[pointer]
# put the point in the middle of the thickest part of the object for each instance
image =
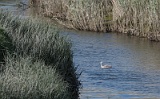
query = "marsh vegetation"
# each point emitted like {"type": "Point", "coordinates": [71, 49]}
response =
{"type": "Point", "coordinates": [134, 17]}
{"type": "Point", "coordinates": [40, 63]}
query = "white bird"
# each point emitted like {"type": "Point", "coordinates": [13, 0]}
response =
{"type": "Point", "coordinates": [105, 66]}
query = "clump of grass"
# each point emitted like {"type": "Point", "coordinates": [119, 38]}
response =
{"type": "Point", "coordinates": [42, 42]}
{"type": "Point", "coordinates": [5, 44]}
{"type": "Point", "coordinates": [140, 18]}
{"type": "Point", "coordinates": [88, 14]}
{"type": "Point", "coordinates": [79, 14]}
{"type": "Point", "coordinates": [25, 78]}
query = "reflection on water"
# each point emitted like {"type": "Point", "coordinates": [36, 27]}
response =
{"type": "Point", "coordinates": [18, 7]}
{"type": "Point", "coordinates": [135, 62]}
{"type": "Point", "coordinates": [7, 4]}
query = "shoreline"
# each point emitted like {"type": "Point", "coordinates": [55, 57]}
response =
{"type": "Point", "coordinates": [100, 16]}
{"type": "Point", "coordinates": [40, 65]}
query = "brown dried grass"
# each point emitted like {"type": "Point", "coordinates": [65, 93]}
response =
{"type": "Point", "coordinates": [79, 14]}
{"type": "Point", "coordinates": [135, 17]}
{"type": "Point", "coordinates": [140, 18]}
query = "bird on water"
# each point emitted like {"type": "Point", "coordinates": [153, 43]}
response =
{"type": "Point", "coordinates": [105, 66]}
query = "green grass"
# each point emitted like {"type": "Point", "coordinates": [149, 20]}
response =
{"type": "Point", "coordinates": [25, 78]}
{"type": "Point", "coordinates": [42, 42]}
{"type": "Point", "coordinates": [5, 44]}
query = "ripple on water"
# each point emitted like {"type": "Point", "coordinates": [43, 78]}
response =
{"type": "Point", "coordinates": [132, 75]}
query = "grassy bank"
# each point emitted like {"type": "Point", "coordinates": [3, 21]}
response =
{"type": "Point", "coordinates": [78, 14]}
{"type": "Point", "coordinates": [25, 78]}
{"type": "Point", "coordinates": [135, 17]}
{"type": "Point", "coordinates": [37, 47]}
{"type": "Point", "coordinates": [140, 18]}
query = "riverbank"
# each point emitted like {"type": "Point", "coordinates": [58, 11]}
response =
{"type": "Point", "coordinates": [40, 65]}
{"type": "Point", "coordinates": [138, 17]}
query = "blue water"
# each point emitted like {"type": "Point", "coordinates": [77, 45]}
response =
{"type": "Point", "coordinates": [135, 71]}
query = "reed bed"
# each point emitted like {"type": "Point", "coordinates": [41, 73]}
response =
{"type": "Point", "coordinates": [140, 18]}
{"type": "Point", "coordinates": [135, 17]}
{"type": "Point", "coordinates": [88, 14]}
{"type": "Point", "coordinates": [79, 14]}
{"type": "Point", "coordinates": [42, 42]}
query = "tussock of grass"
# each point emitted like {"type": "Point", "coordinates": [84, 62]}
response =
{"type": "Point", "coordinates": [24, 78]}
{"type": "Point", "coordinates": [36, 39]}
{"type": "Point", "coordinates": [42, 42]}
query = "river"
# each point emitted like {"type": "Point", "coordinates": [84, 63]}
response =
{"type": "Point", "coordinates": [135, 72]}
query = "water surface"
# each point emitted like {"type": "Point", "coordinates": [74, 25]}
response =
{"type": "Point", "coordinates": [135, 62]}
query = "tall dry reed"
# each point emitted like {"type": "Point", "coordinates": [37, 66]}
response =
{"type": "Point", "coordinates": [140, 18]}
{"type": "Point", "coordinates": [135, 17]}
{"type": "Point", "coordinates": [79, 14]}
